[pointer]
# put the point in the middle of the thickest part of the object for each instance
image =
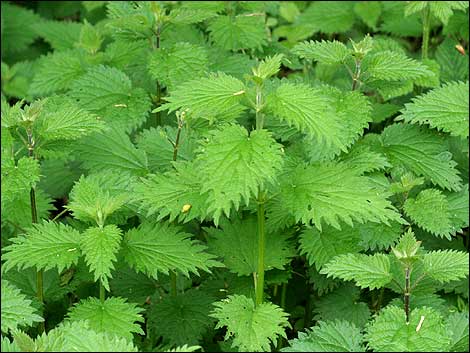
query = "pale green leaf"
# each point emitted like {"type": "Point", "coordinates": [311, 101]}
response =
{"type": "Point", "coordinates": [109, 93]}
{"type": "Point", "coordinates": [369, 12]}
{"type": "Point", "coordinates": [246, 31]}
{"type": "Point", "coordinates": [334, 336]}
{"type": "Point", "coordinates": [250, 160]}
{"type": "Point", "coordinates": [100, 246]}
{"type": "Point", "coordinates": [216, 95]}
{"type": "Point", "coordinates": [444, 108]}
{"type": "Point", "coordinates": [45, 246]}
{"type": "Point", "coordinates": [368, 271]}
{"type": "Point", "coordinates": [446, 265]}
{"type": "Point", "coordinates": [457, 323]}
{"type": "Point", "coordinates": [61, 35]}
{"type": "Point", "coordinates": [17, 28]}
{"type": "Point", "coordinates": [270, 66]}
{"type": "Point", "coordinates": [159, 248]}
{"type": "Point", "coordinates": [389, 332]}
{"type": "Point", "coordinates": [252, 328]}
{"type": "Point", "coordinates": [113, 316]}
{"type": "Point", "coordinates": [326, 52]}
{"type": "Point", "coordinates": [16, 309]}
{"type": "Point", "coordinates": [237, 243]}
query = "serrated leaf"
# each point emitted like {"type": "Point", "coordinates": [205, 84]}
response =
{"type": "Point", "coordinates": [77, 336]}
{"type": "Point", "coordinates": [363, 160]}
{"type": "Point", "coordinates": [183, 318]}
{"type": "Point", "coordinates": [394, 66]}
{"type": "Point", "coordinates": [112, 149]}
{"type": "Point", "coordinates": [180, 63]}
{"type": "Point", "coordinates": [368, 271]}
{"type": "Point", "coordinates": [444, 108]}
{"type": "Point", "coordinates": [166, 194]}
{"type": "Point", "coordinates": [454, 66]}
{"type": "Point", "coordinates": [330, 193]}
{"type": "Point", "coordinates": [446, 265]}
{"type": "Point", "coordinates": [251, 160]}
{"type": "Point", "coordinates": [334, 336]}
{"type": "Point", "coordinates": [431, 211]}
{"type": "Point", "coordinates": [217, 95]}
{"type": "Point", "coordinates": [100, 246]}
{"type": "Point", "coordinates": [45, 246]}
{"type": "Point", "coordinates": [188, 16]}
{"type": "Point", "coordinates": [457, 323]}
{"type": "Point", "coordinates": [9, 346]}
{"type": "Point", "coordinates": [342, 304]}
{"type": "Point", "coordinates": [20, 178]}
{"type": "Point", "coordinates": [237, 243]}
{"type": "Point", "coordinates": [113, 316]}
{"type": "Point", "coordinates": [154, 248]}
{"type": "Point", "coordinates": [16, 309]}
{"type": "Point", "coordinates": [246, 31]}
{"type": "Point", "coordinates": [61, 35]}
{"type": "Point", "coordinates": [390, 332]}
{"type": "Point", "coordinates": [327, 52]}
{"type": "Point", "coordinates": [268, 67]}
{"type": "Point", "coordinates": [17, 28]}
{"type": "Point", "coordinates": [369, 12]}
{"type": "Point", "coordinates": [459, 208]}
{"type": "Point", "coordinates": [109, 93]}
{"type": "Point", "coordinates": [321, 247]}
{"type": "Point", "coordinates": [421, 152]}
{"type": "Point", "coordinates": [252, 329]}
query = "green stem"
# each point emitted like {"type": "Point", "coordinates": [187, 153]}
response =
{"type": "Point", "coordinates": [259, 104]}
{"type": "Point", "coordinates": [407, 294]}
{"type": "Point", "coordinates": [102, 292]}
{"type": "Point", "coordinates": [426, 30]}
{"type": "Point", "coordinates": [259, 285]}
{"type": "Point", "coordinates": [357, 74]}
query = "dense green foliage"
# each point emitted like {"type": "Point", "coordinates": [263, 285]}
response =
{"type": "Point", "coordinates": [234, 176]}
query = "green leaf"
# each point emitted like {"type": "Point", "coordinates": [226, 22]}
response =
{"type": "Point", "coordinates": [251, 161]}
{"type": "Point", "coordinates": [457, 323]}
{"type": "Point", "coordinates": [431, 211]}
{"type": "Point", "coordinates": [91, 201]}
{"type": "Point", "coordinates": [62, 119]}
{"type": "Point", "coordinates": [459, 208]}
{"type": "Point", "coordinates": [90, 38]}
{"type": "Point", "coordinates": [334, 336]}
{"type": "Point", "coordinates": [246, 31]}
{"type": "Point", "coordinates": [444, 108]}
{"type": "Point", "coordinates": [109, 93]}
{"type": "Point", "coordinates": [308, 109]}
{"type": "Point", "coordinates": [188, 16]}
{"type": "Point", "coordinates": [16, 309]}
{"type": "Point", "coordinates": [421, 152]}
{"type": "Point", "coordinates": [327, 52]}
{"type": "Point", "coordinates": [368, 271]}
{"type": "Point", "coordinates": [252, 329]}
{"type": "Point", "coordinates": [45, 246]}
{"type": "Point", "coordinates": [331, 193]}
{"type": "Point", "coordinates": [390, 333]}
{"type": "Point", "coordinates": [342, 304]}
{"type": "Point", "coordinates": [8, 346]}
{"type": "Point", "coordinates": [270, 66]}
{"type": "Point", "coordinates": [183, 319]}
{"type": "Point", "coordinates": [369, 12]}
{"type": "Point", "coordinates": [100, 246]}
{"type": "Point", "coordinates": [112, 150]}
{"type": "Point", "coordinates": [180, 63]}
{"type": "Point", "coordinates": [158, 146]}
{"type": "Point", "coordinates": [237, 243]}
{"type": "Point", "coordinates": [446, 265]}
{"type": "Point", "coordinates": [217, 95]}
{"type": "Point", "coordinates": [61, 35]}
{"type": "Point", "coordinates": [18, 179]}
{"type": "Point", "coordinates": [113, 316]}
{"type": "Point", "coordinates": [154, 248]}
{"type": "Point", "coordinates": [443, 10]}
{"type": "Point", "coordinates": [321, 247]}
{"type": "Point", "coordinates": [57, 71]}
{"type": "Point", "coordinates": [394, 66]}
{"type": "Point", "coordinates": [454, 66]}
{"type": "Point", "coordinates": [17, 28]}
{"type": "Point", "coordinates": [167, 194]}
{"type": "Point", "coordinates": [77, 336]}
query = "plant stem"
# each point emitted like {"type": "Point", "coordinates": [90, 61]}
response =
{"type": "Point", "coordinates": [407, 294]}
{"type": "Point", "coordinates": [259, 285]}
{"type": "Point", "coordinates": [102, 292]}
{"type": "Point", "coordinates": [259, 103]}
{"type": "Point", "coordinates": [426, 30]}
{"type": "Point", "coordinates": [34, 219]}
{"type": "Point", "coordinates": [357, 74]}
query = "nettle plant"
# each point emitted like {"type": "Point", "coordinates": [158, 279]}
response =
{"type": "Point", "coordinates": [252, 176]}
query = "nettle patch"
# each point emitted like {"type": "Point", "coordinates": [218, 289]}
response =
{"type": "Point", "coordinates": [223, 176]}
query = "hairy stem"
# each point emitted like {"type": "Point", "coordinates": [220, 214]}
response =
{"type": "Point", "coordinates": [259, 285]}
{"type": "Point", "coordinates": [34, 219]}
{"type": "Point", "coordinates": [426, 30]}
{"type": "Point", "coordinates": [356, 75]}
{"type": "Point", "coordinates": [407, 294]}
{"type": "Point", "coordinates": [102, 292]}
